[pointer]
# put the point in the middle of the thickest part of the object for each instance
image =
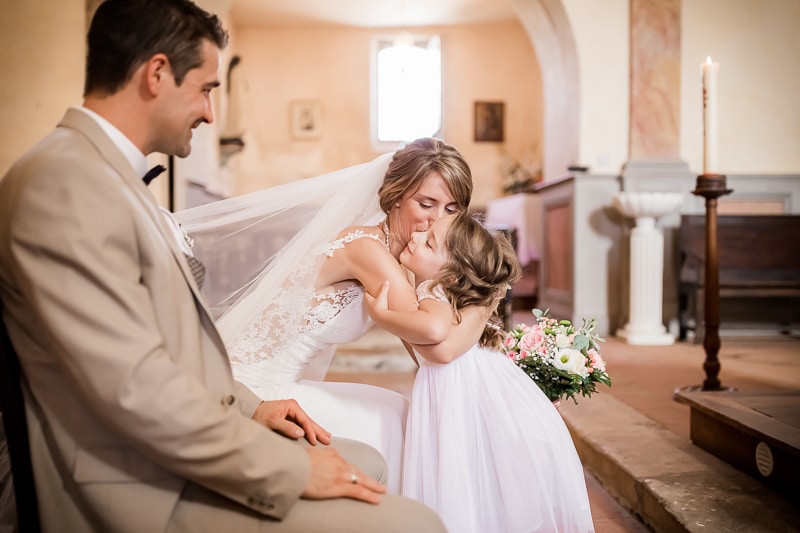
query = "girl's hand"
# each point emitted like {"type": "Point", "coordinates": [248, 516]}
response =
{"type": "Point", "coordinates": [376, 304]}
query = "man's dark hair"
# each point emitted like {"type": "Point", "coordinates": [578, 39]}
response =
{"type": "Point", "coordinates": [126, 33]}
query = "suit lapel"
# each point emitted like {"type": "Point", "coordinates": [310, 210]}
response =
{"type": "Point", "coordinates": [141, 198]}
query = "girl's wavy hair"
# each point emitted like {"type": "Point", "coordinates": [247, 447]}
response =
{"type": "Point", "coordinates": [480, 267]}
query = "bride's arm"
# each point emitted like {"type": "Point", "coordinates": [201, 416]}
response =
{"type": "Point", "coordinates": [367, 261]}
{"type": "Point", "coordinates": [370, 263]}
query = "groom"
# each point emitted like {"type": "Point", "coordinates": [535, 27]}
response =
{"type": "Point", "coordinates": [135, 421]}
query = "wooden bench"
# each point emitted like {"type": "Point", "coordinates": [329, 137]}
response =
{"type": "Point", "coordinates": [758, 256]}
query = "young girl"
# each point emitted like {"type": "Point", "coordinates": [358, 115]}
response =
{"type": "Point", "coordinates": [484, 447]}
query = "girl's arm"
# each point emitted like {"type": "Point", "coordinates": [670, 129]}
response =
{"type": "Point", "coordinates": [462, 337]}
{"type": "Point", "coordinates": [433, 316]}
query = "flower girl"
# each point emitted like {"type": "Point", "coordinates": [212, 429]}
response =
{"type": "Point", "coordinates": [484, 446]}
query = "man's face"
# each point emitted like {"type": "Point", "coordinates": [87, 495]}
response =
{"type": "Point", "coordinates": [185, 107]}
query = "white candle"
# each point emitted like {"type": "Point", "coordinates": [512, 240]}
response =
{"type": "Point", "coordinates": [710, 155]}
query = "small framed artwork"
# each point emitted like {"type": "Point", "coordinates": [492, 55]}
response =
{"type": "Point", "coordinates": [489, 118]}
{"type": "Point", "coordinates": [305, 119]}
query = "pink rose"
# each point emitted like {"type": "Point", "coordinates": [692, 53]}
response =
{"type": "Point", "coordinates": [532, 340]}
{"type": "Point", "coordinates": [543, 351]}
{"type": "Point", "coordinates": [508, 342]}
{"type": "Point", "coordinates": [595, 361]}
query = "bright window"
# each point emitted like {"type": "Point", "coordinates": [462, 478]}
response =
{"type": "Point", "coordinates": [407, 93]}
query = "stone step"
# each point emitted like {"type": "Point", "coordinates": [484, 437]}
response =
{"type": "Point", "coordinates": [669, 483]}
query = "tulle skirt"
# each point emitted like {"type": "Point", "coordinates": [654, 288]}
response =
{"type": "Point", "coordinates": [489, 452]}
{"type": "Point", "coordinates": [369, 414]}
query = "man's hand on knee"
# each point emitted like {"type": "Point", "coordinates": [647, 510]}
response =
{"type": "Point", "coordinates": [287, 418]}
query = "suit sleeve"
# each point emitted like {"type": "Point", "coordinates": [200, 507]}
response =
{"type": "Point", "coordinates": [82, 266]}
{"type": "Point", "coordinates": [248, 400]}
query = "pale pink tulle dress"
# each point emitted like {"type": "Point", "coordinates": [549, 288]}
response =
{"type": "Point", "coordinates": [489, 452]}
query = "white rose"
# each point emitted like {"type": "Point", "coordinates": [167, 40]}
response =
{"type": "Point", "coordinates": [572, 361]}
{"type": "Point", "coordinates": [562, 341]}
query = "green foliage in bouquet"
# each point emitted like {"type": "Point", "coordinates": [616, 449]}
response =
{"type": "Point", "coordinates": [562, 360]}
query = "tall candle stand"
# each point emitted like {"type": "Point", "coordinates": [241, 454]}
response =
{"type": "Point", "coordinates": [711, 187]}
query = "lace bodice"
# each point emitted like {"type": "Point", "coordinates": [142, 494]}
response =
{"type": "Point", "coordinates": [329, 319]}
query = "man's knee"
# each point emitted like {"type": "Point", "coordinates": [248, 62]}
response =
{"type": "Point", "coordinates": [406, 515]}
{"type": "Point", "coordinates": [363, 456]}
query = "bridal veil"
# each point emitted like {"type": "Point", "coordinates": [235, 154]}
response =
{"type": "Point", "coordinates": [258, 250]}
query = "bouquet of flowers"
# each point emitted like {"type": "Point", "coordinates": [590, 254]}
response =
{"type": "Point", "coordinates": [562, 360]}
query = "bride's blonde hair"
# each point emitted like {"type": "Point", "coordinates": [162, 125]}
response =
{"type": "Point", "coordinates": [479, 269]}
{"type": "Point", "coordinates": [414, 162]}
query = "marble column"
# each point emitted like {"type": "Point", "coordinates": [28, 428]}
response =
{"type": "Point", "coordinates": [655, 79]}
{"type": "Point", "coordinates": [645, 325]}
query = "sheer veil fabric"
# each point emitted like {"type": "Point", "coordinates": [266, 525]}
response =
{"type": "Point", "coordinates": [258, 251]}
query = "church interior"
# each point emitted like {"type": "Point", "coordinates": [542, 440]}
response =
{"type": "Point", "coordinates": [620, 128]}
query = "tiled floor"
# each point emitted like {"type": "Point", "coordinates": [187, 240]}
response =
{"type": "Point", "coordinates": [608, 515]}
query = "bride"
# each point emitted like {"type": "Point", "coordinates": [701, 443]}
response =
{"type": "Point", "coordinates": [288, 266]}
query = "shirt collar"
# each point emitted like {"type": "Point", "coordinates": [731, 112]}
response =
{"type": "Point", "coordinates": [134, 156]}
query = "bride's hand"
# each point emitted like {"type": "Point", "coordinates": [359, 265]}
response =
{"type": "Point", "coordinates": [287, 418]}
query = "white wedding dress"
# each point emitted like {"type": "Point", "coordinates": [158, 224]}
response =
{"type": "Point", "coordinates": [484, 446]}
{"type": "Point", "coordinates": [263, 252]}
{"type": "Point", "coordinates": [366, 413]}
{"type": "Point", "coordinates": [488, 451]}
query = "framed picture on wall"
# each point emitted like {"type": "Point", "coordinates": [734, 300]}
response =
{"type": "Point", "coordinates": [305, 119]}
{"type": "Point", "coordinates": [489, 121]}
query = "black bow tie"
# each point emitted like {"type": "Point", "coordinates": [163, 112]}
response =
{"type": "Point", "coordinates": [153, 173]}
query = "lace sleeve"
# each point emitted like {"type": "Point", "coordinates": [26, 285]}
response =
{"type": "Point", "coordinates": [338, 244]}
{"type": "Point", "coordinates": [427, 290]}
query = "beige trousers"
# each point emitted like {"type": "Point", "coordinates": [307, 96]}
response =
{"type": "Point", "coordinates": [201, 510]}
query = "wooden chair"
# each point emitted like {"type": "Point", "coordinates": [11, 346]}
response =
{"type": "Point", "coordinates": [12, 405]}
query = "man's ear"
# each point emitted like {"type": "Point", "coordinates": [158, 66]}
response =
{"type": "Point", "coordinates": [156, 72]}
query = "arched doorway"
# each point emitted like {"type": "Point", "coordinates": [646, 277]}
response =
{"type": "Point", "coordinates": [548, 27]}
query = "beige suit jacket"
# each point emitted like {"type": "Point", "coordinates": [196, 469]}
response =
{"type": "Point", "coordinates": [129, 390]}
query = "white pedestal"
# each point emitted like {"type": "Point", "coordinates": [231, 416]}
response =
{"type": "Point", "coordinates": [644, 325]}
